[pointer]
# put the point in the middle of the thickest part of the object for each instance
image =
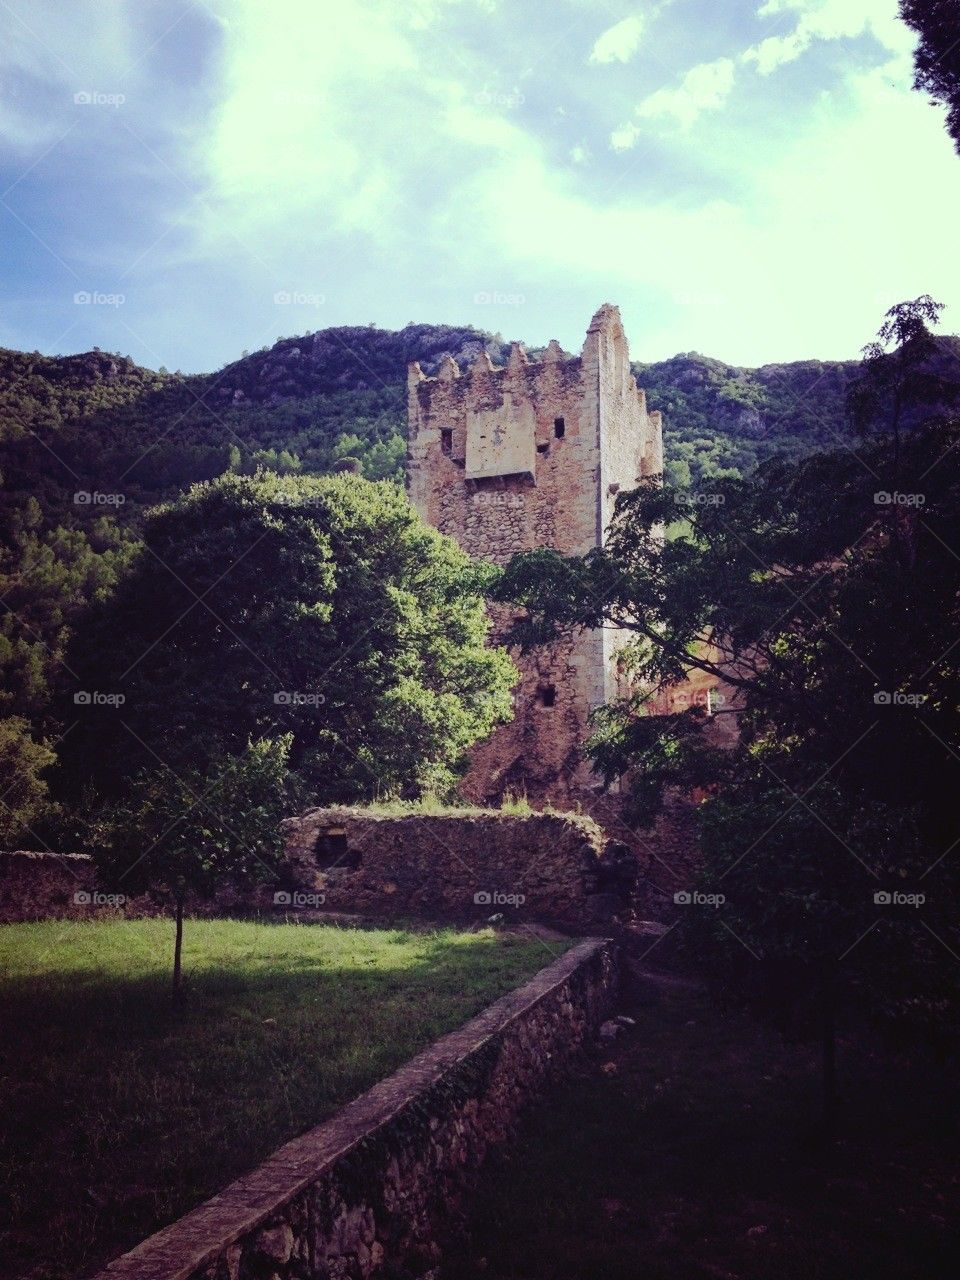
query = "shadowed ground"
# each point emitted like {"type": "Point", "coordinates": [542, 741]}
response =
{"type": "Point", "coordinates": [686, 1152]}
{"type": "Point", "coordinates": [120, 1113]}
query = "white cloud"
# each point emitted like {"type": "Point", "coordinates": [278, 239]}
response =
{"type": "Point", "coordinates": [620, 42]}
{"type": "Point", "coordinates": [704, 88]}
{"type": "Point", "coordinates": [826, 20]}
{"type": "Point", "coordinates": [805, 265]}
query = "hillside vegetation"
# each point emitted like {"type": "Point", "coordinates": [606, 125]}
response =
{"type": "Point", "coordinates": [89, 441]}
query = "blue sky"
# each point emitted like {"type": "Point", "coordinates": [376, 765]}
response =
{"type": "Point", "coordinates": [753, 179]}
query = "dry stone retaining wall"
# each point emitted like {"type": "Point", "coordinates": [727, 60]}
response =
{"type": "Point", "coordinates": [459, 866]}
{"type": "Point", "coordinates": [374, 1190]}
{"type": "Point", "coordinates": [543, 866]}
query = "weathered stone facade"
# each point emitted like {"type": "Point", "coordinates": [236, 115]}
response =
{"type": "Point", "coordinates": [543, 867]}
{"type": "Point", "coordinates": [550, 868]}
{"type": "Point", "coordinates": [533, 455]}
{"type": "Point", "coordinates": [375, 1190]}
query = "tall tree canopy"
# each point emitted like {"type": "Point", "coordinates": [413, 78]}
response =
{"type": "Point", "coordinates": [937, 56]}
{"type": "Point", "coordinates": [267, 605]}
{"type": "Point", "coordinates": [827, 594]}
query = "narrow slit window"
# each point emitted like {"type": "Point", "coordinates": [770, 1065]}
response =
{"type": "Point", "coordinates": [446, 441]}
{"type": "Point", "coordinates": [559, 428]}
{"type": "Point", "coordinates": [548, 695]}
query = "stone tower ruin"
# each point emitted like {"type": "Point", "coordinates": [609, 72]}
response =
{"type": "Point", "coordinates": [527, 456]}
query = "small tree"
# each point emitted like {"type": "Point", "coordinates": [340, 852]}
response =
{"type": "Point", "coordinates": [23, 792]}
{"type": "Point", "coordinates": [184, 835]}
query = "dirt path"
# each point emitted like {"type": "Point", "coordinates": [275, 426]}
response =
{"type": "Point", "coordinates": [686, 1150]}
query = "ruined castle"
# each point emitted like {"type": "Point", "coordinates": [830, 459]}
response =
{"type": "Point", "coordinates": [533, 455]}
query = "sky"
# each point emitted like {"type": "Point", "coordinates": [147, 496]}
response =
{"type": "Point", "coordinates": [183, 181]}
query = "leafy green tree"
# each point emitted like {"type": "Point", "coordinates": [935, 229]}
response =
{"type": "Point", "coordinates": [266, 605]}
{"type": "Point", "coordinates": [23, 790]}
{"type": "Point", "coordinates": [182, 835]}
{"type": "Point", "coordinates": [937, 56]}
{"type": "Point", "coordinates": [792, 588]}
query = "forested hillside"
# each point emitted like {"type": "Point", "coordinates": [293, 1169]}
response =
{"type": "Point", "coordinates": [88, 441]}
{"type": "Point", "coordinates": [97, 422]}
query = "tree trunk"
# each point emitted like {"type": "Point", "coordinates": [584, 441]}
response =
{"type": "Point", "coordinates": [177, 955]}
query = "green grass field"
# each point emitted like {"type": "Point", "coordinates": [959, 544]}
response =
{"type": "Point", "coordinates": [121, 1113]}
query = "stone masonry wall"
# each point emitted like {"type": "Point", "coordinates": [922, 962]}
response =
{"type": "Point", "coordinates": [533, 455]}
{"type": "Point", "coordinates": [376, 1189]}
{"type": "Point", "coordinates": [542, 867]}
{"type": "Point", "coordinates": [63, 886]}
{"type": "Point", "coordinates": [545, 867]}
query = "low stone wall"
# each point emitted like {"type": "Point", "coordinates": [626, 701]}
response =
{"type": "Point", "coordinates": [63, 886]}
{"type": "Point", "coordinates": [374, 1190]}
{"type": "Point", "coordinates": [43, 886]}
{"type": "Point", "coordinates": [540, 866]}
{"type": "Point", "coordinates": [556, 868]}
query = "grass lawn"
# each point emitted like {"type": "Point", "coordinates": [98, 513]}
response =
{"type": "Point", "coordinates": [686, 1151]}
{"type": "Point", "coordinates": [119, 1113]}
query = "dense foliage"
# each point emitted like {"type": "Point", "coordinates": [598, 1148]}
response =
{"type": "Point", "coordinates": [90, 443]}
{"type": "Point", "coordinates": [937, 55]}
{"type": "Point", "coordinates": [320, 608]}
{"type": "Point", "coordinates": [825, 595]}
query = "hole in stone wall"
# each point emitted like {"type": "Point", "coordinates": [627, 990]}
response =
{"type": "Point", "coordinates": [547, 694]}
{"type": "Point", "coordinates": [543, 448]}
{"type": "Point", "coordinates": [332, 850]}
{"type": "Point", "coordinates": [559, 428]}
{"type": "Point", "coordinates": [446, 440]}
